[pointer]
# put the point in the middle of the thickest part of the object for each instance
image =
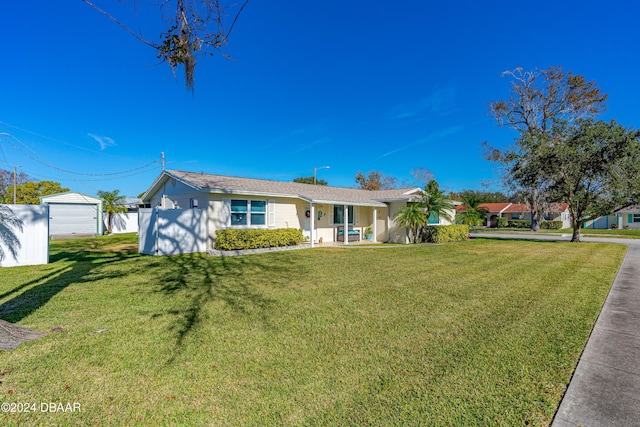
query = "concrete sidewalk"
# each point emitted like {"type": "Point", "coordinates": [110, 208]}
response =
{"type": "Point", "coordinates": [605, 388]}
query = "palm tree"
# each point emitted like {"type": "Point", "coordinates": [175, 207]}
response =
{"type": "Point", "coordinates": [473, 214]}
{"type": "Point", "coordinates": [112, 203]}
{"type": "Point", "coordinates": [412, 216]}
{"type": "Point", "coordinates": [432, 202]}
{"type": "Point", "coordinates": [436, 203]}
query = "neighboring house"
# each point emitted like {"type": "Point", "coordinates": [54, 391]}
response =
{"type": "Point", "coordinates": [73, 213]}
{"type": "Point", "coordinates": [558, 212]}
{"type": "Point", "coordinates": [628, 218]}
{"type": "Point", "coordinates": [322, 212]}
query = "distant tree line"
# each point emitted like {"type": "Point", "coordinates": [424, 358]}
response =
{"type": "Point", "coordinates": [28, 191]}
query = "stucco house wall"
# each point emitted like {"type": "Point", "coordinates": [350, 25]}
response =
{"type": "Point", "coordinates": [288, 205]}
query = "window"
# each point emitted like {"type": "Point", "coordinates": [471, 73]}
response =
{"type": "Point", "coordinates": [338, 214]}
{"type": "Point", "coordinates": [193, 203]}
{"type": "Point", "coordinates": [248, 212]}
{"type": "Point", "coordinates": [434, 218]}
{"type": "Point", "coordinates": [636, 217]}
{"type": "Point", "coordinates": [515, 216]}
{"type": "Point", "coordinates": [258, 212]}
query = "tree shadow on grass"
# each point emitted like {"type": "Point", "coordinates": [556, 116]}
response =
{"type": "Point", "coordinates": [203, 280]}
{"type": "Point", "coordinates": [83, 267]}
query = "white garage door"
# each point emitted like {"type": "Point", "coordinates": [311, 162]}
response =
{"type": "Point", "coordinates": [68, 218]}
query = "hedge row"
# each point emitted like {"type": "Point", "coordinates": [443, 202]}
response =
{"type": "Point", "coordinates": [551, 225]}
{"type": "Point", "coordinates": [446, 233]}
{"type": "Point", "coordinates": [231, 239]}
{"type": "Point", "coordinates": [525, 223]}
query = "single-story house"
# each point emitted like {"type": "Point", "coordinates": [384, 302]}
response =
{"type": "Point", "coordinates": [322, 212]}
{"type": "Point", "coordinates": [557, 212]}
{"type": "Point", "coordinates": [628, 218]}
{"type": "Point", "coordinates": [73, 213]}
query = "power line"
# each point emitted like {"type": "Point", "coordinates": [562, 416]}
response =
{"type": "Point", "coordinates": [52, 166]}
{"type": "Point", "coordinates": [58, 141]}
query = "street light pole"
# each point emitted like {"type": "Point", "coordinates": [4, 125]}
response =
{"type": "Point", "coordinates": [15, 182]}
{"type": "Point", "coordinates": [315, 170]}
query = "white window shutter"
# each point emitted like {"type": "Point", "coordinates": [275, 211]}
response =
{"type": "Point", "coordinates": [330, 213]}
{"type": "Point", "coordinates": [271, 213]}
{"type": "Point", "coordinates": [356, 215]}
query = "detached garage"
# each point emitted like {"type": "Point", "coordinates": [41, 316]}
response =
{"type": "Point", "coordinates": [73, 213]}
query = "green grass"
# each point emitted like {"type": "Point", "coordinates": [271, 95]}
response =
{"type": "Point", "coordinates": [475, 333]}
{"type": "Point", "coordinates": [629, 234]}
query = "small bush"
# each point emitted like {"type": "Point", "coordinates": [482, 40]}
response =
{"type": "Point", "coordinates": [446, 233]}
{"type": "Point", "coordinates": [231, 239]}
{"type": "Point", "coordinates": [614, 226]}
{"type": "Point", "coordinates": [551, 225]}
{"type": "Point", "coordinates": [519, 223]}
{"type": "Point", "coordinates": [502, 222]}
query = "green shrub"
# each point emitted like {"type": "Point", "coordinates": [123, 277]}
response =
{"type": "Point", "coordinates": [551, 225]}
{"type": "Point", "coordinates": [519, 223]}
{"type": "Point", "coordinates": [502, 222]}
{"type": "Point", "coordinates": [446, 233]}
{"type": "Point", "coordinates": [231, 239]}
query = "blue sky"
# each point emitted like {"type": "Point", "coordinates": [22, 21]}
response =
{"type": "Point", "coordinates": [356, 85]}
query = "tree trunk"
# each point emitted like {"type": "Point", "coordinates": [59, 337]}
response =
{"type": "Point", "coordinates": [535, 210]}
{"type": "Point", "coordinates": [576, 224]}
{"type": "Point", "coordinates": [12, 335]}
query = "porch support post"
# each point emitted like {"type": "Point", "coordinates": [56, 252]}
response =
{"type": "Point", "coordinates": [375, 224]}
{"type": "Point", "coordinates": [346, 225]}
{"type": "Point", "coordinates": [312, 232]}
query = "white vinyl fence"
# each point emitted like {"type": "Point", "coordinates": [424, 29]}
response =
{"type": "Point", "coordinates": [126, 222]}
{"type": "Point", "coordinates": [171, 231]}
{"type": "Point", "coordinates": [24, 235]}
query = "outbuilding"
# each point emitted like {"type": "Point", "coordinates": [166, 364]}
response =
{"type": "Point", "coordinates": [73, 213]}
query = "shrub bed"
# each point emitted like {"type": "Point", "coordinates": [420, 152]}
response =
{"type": "Point", "coordinates": [446, 233]}
{"type": "Point", "coordinates": [551, 225]}
{"type": "Point", "coordinates": [231, 239]}
{"type": "Point", "coordinates": [502, 222]}
{"type": "Point", "coordinates": [519, 223]}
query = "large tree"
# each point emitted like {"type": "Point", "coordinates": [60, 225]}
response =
{"type": "Point", "coordinates": [29, 192]}
{"type": "Point", "coordinates": [540, 99]}
{"type": "Point", "coordinates": [113, 203]}
{"type": "Point", "coordinates": [375, 180]}
{"type": "Point", "coordinates": [192, 28]}
{"type": "Point", "coordinates": [310, 180]}
{"type": "Point", "coordinates": [7, 180]}
{"type": "Point", "coordinates": [481, 195]}
{"type": "Point", "coordinates": [595, 168]}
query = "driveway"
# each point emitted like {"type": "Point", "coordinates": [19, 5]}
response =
{"type": "Point", "coordinates": [605, 388]}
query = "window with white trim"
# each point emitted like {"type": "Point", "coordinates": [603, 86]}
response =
{"type": "Point", "coordinates": [248, 212]}
{"type": "Point", "coordinates": [636, 217]}
{"type": "Point", "coordinates": [338, 214]}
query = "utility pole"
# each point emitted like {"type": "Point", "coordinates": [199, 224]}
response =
{"type": "Point", "coordinates": [162, 157]}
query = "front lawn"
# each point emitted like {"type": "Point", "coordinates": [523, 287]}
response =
{"type": "Point", "coordinates": [474, 333]}
{"type": "Point", "coordinates": [596, 232]}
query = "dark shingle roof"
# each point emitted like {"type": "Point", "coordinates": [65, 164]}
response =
{"type": "Point", "coordinates": [313, 193]}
